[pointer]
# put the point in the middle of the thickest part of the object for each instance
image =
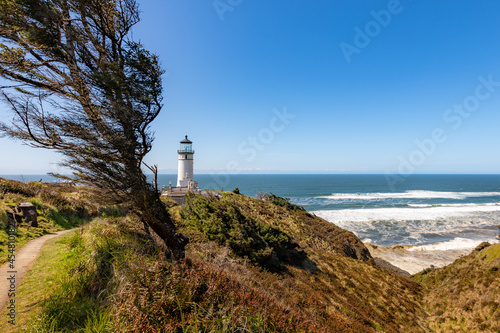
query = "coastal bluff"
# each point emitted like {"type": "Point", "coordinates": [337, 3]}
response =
{"type": "Point", "coordinates": [253, 264]}
{"type": "Point", "coordinates": [317, 271]}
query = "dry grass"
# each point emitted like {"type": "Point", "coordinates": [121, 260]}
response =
{"type": "Point", "coordinates": [465, 296]}
{"type": "Point", "coordinates": [115, 280]}
{"type": "Point", "coordinates": [62, 196]}
{"type": "Point", "coordinates": [219, 290]}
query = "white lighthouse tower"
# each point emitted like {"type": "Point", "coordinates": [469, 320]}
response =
{"type": "Point", "coordinates": [185, 181]}
{"type": "Point", "coordinates": [185, 166]}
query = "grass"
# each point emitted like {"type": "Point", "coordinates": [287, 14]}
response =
{"type": "Point", "coordinates": [465, 296]}
{"type": "Point", "coordinates": [67, 288]}
{"type": "Point", "coordinates": [39, 282]}
{"type": "Point", "coordinates": [110, 277]}
{"type": "Point", "coordinates": [333, 287]}
{"type": "Point", "coordinates": [50, 220]}
{"type": "Point", "coordinates": [59, 207]}
{"type": "Point", "coordinates": [491, 254]}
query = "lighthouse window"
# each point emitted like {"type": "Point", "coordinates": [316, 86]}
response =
{"type": "Point", "coordinates": [186, 148]}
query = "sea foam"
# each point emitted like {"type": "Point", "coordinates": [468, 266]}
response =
{"type": "Point", "coordinates": [420, 226]}
{"type": "Point", "coordinates": [409, 195]}
{"type": "Point", "coordinates": [457, 243]}
{"type": "Point", "coordinates": [424, 212]}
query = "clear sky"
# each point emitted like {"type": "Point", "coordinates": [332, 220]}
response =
{"type": "Point", "coordinates": [320, 87]}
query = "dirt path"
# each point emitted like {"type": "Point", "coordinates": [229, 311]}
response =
{"type": "Point", "coordinates": [25, 258]}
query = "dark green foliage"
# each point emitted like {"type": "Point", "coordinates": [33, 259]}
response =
{"type": "Point", "coordinates": [482, 246]}
{"type": "Point", "coordinates": [80, 85]}
{"type": "Point", "coordinates": [222, 221]}
{"type": "Point", "coordinates": [284, 202]}
{"type": "Point", "coordinates": [113, 211]}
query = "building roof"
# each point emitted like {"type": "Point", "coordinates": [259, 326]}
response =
{"type": "Point", "coordinates": [186, 140]}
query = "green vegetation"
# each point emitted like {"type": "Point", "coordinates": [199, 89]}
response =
{"type": "Point", "coordinates": [253, 266]}
{"type": "Point", "coordinates": [465, 296]}
{"type": "Point", "coordinates": [110, 278]}
{"type": "Point", "coordinates": [63, 298]}
{"type": "Point", "coordinates": [283, 202]}
{"type": "Point", "coordinates": [59, 207]}
{"type": "Point", "coordinates": [221, 220]}
{"type": "Point", "coordinates": [303, 228]}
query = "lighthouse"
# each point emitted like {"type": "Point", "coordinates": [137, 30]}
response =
{"type": "Point", "coordinates": [185, 165]}
{"type": "Point", "coordinates": [185, 181]}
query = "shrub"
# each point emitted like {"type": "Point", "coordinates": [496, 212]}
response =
{"type": "Point", "coordinates": [4, 219]}
{"type": "Point", "coordinates": [482, 246]}
{"type": "Point", "coordinates": [284, 202]}
{"type": "Point", "coordinates": [222, 221]}
{"type": "Point", "coordinates": [112, 211]}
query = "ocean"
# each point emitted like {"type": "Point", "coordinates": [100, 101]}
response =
{"type": "Point", "coordinates": [429, 212]}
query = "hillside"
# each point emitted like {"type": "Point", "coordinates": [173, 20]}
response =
{"type": "Point", "coordinates": [464, 296]}
{"type": "Point", "coordinates": [327, 275]}
{"type": "Point", "coordinates": [58, 206]}
{"type": "Point", "coordinates": [253, 265]}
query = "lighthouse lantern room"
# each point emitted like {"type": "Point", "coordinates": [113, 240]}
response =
{"type": "Point", "coordinates": [185, 166]}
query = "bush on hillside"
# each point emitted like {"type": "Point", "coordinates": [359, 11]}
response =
{"type": "Point", "coordinates": [283, 202]}
{"type": "Point", "coordinates": [222, 221]}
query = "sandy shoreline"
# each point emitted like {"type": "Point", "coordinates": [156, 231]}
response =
{"type": "Point", "coordinates": [415, 261]}
{"type": "Point", "coordinates": [456, 236]}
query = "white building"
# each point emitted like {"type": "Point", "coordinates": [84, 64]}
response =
{"type": "Point", "coordinates": [185, 165]}
{"type": "Point", "coordinates": [185, 180]}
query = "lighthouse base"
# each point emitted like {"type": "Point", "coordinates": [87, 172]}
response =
{"type": "Point", "coordinates": [178, 194]}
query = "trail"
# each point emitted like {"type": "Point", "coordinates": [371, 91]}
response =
{"type": "Point", "coordinates": [24, 260]}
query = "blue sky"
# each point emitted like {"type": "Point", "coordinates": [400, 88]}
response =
{"type": "Point", "coordinates": [320, 87]}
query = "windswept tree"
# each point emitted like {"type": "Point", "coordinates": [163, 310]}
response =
{"type": "Point", "coordinates": [78, 84]}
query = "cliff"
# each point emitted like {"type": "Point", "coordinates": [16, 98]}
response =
{"type": "Point", "coordinates": [303, 273]}
{"type": "Point", "coordinates": [253, 265]}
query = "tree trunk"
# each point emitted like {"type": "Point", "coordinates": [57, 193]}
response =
{"type": "Point", "coordinates": [153, 213]}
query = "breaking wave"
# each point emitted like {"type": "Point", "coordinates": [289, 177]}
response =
{"type": "Point", "coordinates": [409, 195]}
{"type": "Point", "coordinates": [457, 243]}
{"type": "Point", "coordinates": [420, 212]}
